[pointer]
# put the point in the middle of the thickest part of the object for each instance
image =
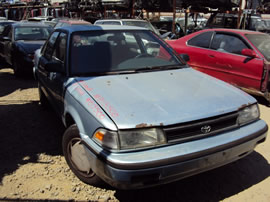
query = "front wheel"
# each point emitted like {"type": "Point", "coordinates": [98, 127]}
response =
{"type": "Point", "coordinates": [76, 157]}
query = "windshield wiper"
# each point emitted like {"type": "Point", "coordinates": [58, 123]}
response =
{"type": "Point", "coordinates": [166, 67]}
{"type": "Point", "coordinates": [130, 71]}
{"type": "Point", "coordinates": [106, 73]}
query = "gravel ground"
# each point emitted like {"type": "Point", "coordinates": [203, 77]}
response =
{"type": "Point", "coordinates": [32, 166]}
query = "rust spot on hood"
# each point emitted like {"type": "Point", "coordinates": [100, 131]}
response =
{"type": "Point", "coordinates": [244, 105]}
{"type": "Point", "coordinates": [142, 125]}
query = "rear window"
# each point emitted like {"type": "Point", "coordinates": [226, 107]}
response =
{"type": "Point", "coordinates": [32, 33]}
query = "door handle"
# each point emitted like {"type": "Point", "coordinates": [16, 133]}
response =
{"type": "Point", "coordinates": [211, 56]}
{"type": "Point", "coordinates": [52, 76]}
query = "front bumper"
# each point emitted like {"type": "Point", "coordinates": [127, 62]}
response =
{"type": "Point", "coordinates": [162, 165]}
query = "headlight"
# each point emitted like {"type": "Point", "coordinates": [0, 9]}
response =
{"type": "Point", "coordinates": [129, 139]}
{"type": "Point", "coordinates": [248, 114]}
{"type": "Point", "coordinates": [133, 139]}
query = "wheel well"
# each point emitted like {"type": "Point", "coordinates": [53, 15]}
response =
{"type": "Point", "coordinates": [69, 120]}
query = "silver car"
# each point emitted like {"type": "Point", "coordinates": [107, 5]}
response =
{"type": "Point", "coordinates": [136, 114]}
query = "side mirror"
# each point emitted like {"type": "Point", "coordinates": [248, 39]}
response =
{"type": "Point", "coordinates": [185, 57]}
{"type": "Point", "coordinates": [54, 67]}
{"type": "Point", "coordinates": [249, 53]}
{"type": "Point", "coordinates": [5, 38]}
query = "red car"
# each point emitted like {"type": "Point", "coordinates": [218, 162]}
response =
{"type": "Point", "coordinates": [239, 57]}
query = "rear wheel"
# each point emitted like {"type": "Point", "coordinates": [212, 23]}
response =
{"type": "Point", "coordinates": [74, 152]}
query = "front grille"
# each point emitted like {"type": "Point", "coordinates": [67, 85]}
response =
{"type": "Point", "coordinates": [193, 130]}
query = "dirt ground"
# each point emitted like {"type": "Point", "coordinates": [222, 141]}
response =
{"type": "Point", "coordinates": [32, 166]}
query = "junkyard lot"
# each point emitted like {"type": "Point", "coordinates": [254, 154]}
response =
{"type": "Point", "coordinates": [32, 165]}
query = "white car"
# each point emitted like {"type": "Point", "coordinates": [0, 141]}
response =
{"type": "Point", "coordinates": [129, 22]}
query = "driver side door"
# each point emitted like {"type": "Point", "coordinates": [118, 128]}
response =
{"type": "Point", "coordinates": [53, 82]}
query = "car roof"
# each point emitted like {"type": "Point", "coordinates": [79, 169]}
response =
{"type": "Point", "coordinates": [139, 20]}
{"type": "Point", "coordinates": [99, 27]}
{"type": "Point", "coordinates": [74, 22]}
{"type": "Point", "coordinates": [237, 31]}
{"type": "Point", "coordinates": [7, 21]}
{"type": "Point", "coordinates": [29, 24]}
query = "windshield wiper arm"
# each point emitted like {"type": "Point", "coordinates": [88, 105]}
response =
{"type": "Point", "coordinates": [166, 67]}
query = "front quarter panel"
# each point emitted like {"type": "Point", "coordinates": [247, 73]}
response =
{"type": "Point", "coordinates": [87, 114]}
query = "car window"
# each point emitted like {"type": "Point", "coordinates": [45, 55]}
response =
{"type": "Point", "coordinates": [144, 24]}
{"type": "Point", "coordinates": [10, 33]}
{"type": "Point", "coordinates": [202, 40]}
{"type": "Point", "coordinates": [48, 50]}
{"type": "Point", "coordinates": [228, 43]}
{"type": "Point", "coordinates": [262, 42]}
{"type": "Point", "coordinates": [2, 28]}
{"type": "Point", "coordinates": [115, 51]}
{"type": "Point", "coordinates": [111, 23]}
{"type": "Point", "coordinates": [6, 30]}
{"type": "Point", "coordinates": [32, 33]}
{"type": "Point", "coordinates": [60, 47]}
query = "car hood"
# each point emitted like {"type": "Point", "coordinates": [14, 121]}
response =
{"type": "Point", "coordinates": [163, 97]}
{"type": "Point", "coordinates": [30, 46]}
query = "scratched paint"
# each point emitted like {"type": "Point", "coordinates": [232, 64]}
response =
{"type": "Point", "coordinates": [80, 91]}
{"type": "Point", "coordinates": [106, 105]}
{"type": "Point", "coordinates": [95, 108]}
{"type": "Point", "coordinates": [86, 86]}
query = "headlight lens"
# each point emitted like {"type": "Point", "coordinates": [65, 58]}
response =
{"type": "Point", "coordinates": [133, 139]}
{"type": "Point", "coordinates": [248, 114]}
{"type": "Point", "coordinates": [129, 139]}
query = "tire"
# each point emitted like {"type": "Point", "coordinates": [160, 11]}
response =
{"type": "Point", "coordinates": [17, 69]}
{"type": "Point", "coordinates": [72, 137]}
{"type": "Point", "coordinates": [42, 98]}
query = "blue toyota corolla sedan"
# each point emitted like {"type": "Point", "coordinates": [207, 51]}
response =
{"type": "Point", "coordinates": [136, 114]}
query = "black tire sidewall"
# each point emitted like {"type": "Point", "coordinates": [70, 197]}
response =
{"type": "Point", "coordinates": [71, 133]}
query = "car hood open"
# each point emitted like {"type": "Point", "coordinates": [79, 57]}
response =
{"type": "Point", "coordinates": [163, 97]}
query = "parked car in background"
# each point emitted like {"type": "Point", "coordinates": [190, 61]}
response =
{"type": "Point", "coordinates": [263, 26]}
{"type": "Point", "coordinates": [48, 20]}
{"type": "Point", "coordinates": [20, 40]}
{"type": "Point", "coordinates": [239, 57]}
{"type": "Point", "coordinates": [227, 20]}
{"type": "Point", "coordinates": [129, 22]}
{"type": "Point", "coordinates": [136, 114]}
{"type": "Point", "coordinates": [3, 24]}
{"type": "Point", "coordinates": [70, 22]}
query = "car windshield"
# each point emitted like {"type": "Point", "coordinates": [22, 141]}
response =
{"type": "Point", "coordinates": [32, 33]}
{"type": "Point", "coordinates": [144, 24]}
{"type": "Point", "coordinates": [262, 42]}
{"type": "Point", "coordinates": [99, 52]}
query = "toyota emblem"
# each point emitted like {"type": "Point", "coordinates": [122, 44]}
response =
{"type": "Point", "coordinates": [206, 129]}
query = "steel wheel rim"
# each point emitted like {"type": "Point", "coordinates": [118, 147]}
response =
{"type": "Point", "coordinates": [69, 147]}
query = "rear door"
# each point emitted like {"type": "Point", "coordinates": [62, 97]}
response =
{"type": "Point", "coordinates": [233, 67]}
